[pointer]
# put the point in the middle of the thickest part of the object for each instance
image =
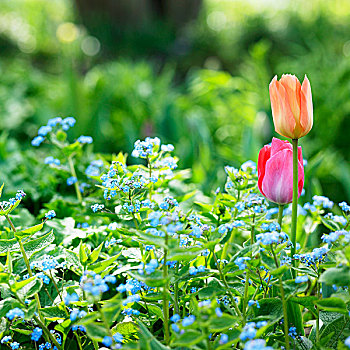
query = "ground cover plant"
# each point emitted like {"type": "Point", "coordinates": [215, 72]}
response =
{"type": "Point", "coordinates": [136, 257]}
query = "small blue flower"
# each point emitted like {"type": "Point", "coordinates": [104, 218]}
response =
{"type": "Point", "coordinates": [37, 141]}
{"type": "Point", "coordinates": [5, 339]}
{"type": "Point", "coordinates": [107, 341]}
{"type": "Point", "coordinates": [223, 339]}
{"type": "Point", "coordinates": [69, 298]}
{"type": "Point", "coordinates": [218, 312]}
{"type": "Point", "coordinates": [347, 342]}
{"type": "Point", "coordinates": [36, 334]}
{"type": "Point", "coordinates": [15, 345]}
{"type": "Point", "coordinates": [187, 321]}
{"type": "Point", "coordinates": [16, 312]}
{"type": "Point", "coordinates": [50, 214]}
{"type": "Point", "coordinates": [71, 180]}
{"type": "Point", "coordinates": [345, 207]}
{"type": "Point", "coordinates": [175, 318]}
{"type": "Point", "coordinates": [85, 139]}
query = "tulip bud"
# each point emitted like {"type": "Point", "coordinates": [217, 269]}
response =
{"type": "Point", "coordinates": [291, 105]}
{"type": "Point", "coordinates": [275, 171]}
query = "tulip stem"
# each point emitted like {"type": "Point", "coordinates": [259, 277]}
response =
{"type": "Point", "coordinates": [295, 203]}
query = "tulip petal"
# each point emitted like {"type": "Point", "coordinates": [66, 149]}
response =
{"type": "Point", "coordinates": [292, 87]}
{"type": "Point", "coordinates": [278, 145]}
{"type": "Point", "coordinates": [284, 121]}
{"type": "Point", "coordinates": [278, 181]}
{"type": "Point", "coordinates": [263, 157]}
{"type": "Point", "coordinates": [306, 110]}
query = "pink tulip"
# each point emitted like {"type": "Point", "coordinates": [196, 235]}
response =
{"type": "Point", "coordinates": [291, 105]}
{"type": "Point", "coordinates": [275, 171]}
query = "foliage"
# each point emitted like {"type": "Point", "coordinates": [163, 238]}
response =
{"type": "Point", "coordinates": [142, 259]}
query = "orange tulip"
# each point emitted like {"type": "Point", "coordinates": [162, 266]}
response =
{"type": "Point", "coordinates": [291, 105]}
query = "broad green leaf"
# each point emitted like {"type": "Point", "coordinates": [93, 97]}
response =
{"type": "Point", "coordinates": [125, 328]}
{"type": "Point", "coordinates": [54, 313]}
{"type": "Point", "coordinates": [190, 337]}
{"type": "Point", "coordinates": [340, 276]}
{"type": "Point", "coordinates": [154, 280]}
{"type": "Point", "coordinates": [184, 254]}
{"type": "Point", "coordinates": [332, 304]}
{"type": "Point", "coordinates": [8, 244]}
{"type": "Point", "coordinates": [219, 324]}
{"type": "Point", "coordinates": [307, 302]}
{"type": "Point", "coordinates": [148, 341]}
{"type": "Point", "coordinates": [37, 244]}
{"type": "Point", "coordinates": [333, 226]}
{"type": "Point", "coordinates": [270, 310]}
{"type": "Point", "coordinates": [29, 231]}
{"type": "Point", "coordinates": [72, 259]}
{"type": "Point", "coordinates": [103, 265]}
{"type": "Point", "coordinates": [28, 287]}
{"type": "Point", "coordinates": [95, 253]}
{"type": "Point", "coordinates": [96, 331]}
{"type": "Point", "coordinates": [5, 306]}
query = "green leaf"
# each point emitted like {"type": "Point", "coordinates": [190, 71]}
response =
{"type": "Point", "coordinates": [339, 327]}
{"type": "Point", "coordinates": [219, 324]}
{"type": "Point", "coordinates": [40, 243]}
{"type": "Point", "coordinates": [72, 259]}
{"type": "Point", "coordinates": [5, 306]}
{"type": "Point", "coordinates": [29, 231]}
{"type": "Point", "coordinates": [126, 328]}
{"type": "Point", "coordinates": [190, 337]}
{"type": "Point", "coordinates": [279, 271]}
{"type": "Point", "coordinates": [7, 245]}
{"type": "Point", "coordinates": [148, 341]}
{"type": "Point", "coordinates": [84, 253]}
{"type": "Point", "coordinates": [1, 188]}
{"type": "Point", "coordinates": [95, 253]}
{"type": "Point", "coordinates": [154, 280]}
{"type": "Point", "coordinates": [340, 276]}
{"type": "Point", "coordinates": [27, 288]}
{"type": "Point", "coordinates": [185, 254]}
{"type": "Point", "coordinates": [151, 239]}
{"type": "Point", "coordinates": [96, 331]}
{"type": "Point", "coordinates": [103, 265]}
{"type": "Point", "coordinates": [307, 302]}
{"type": "Point", "coordinates": [54, 313]}
{"type": "Point", "coordinates": [270, 309]}
{"type": "Point", "coordinates": [332, 304]}
{"type": "Point", "coordinates": [333, 226]}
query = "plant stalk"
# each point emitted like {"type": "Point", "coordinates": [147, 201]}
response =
{"type": "Point", "coordinates": [294, 204]}
{"type": "Point", "coordinates": [76, 184]}
{"type": "Point", "coordinates": [165, 294]}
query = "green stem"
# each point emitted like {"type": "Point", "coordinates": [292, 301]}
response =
{"type": "Point", "coordinates": [176, 290]}
{"type": "Point", "coordinates": [284, 303]}
{"type": "Point", "coordinates": [280, 215]}
{"type": "Point", "coordinates": [227, 286]}
{"type": "Point", "coordinates": [318, 314]}
{"type": "Point", "coordinates": [76, 184]}
{"type": "Point", "coordinates": [295, 203]}
{"type": "Point", "coordinates": [246, 286]}
{"type": "Point", "coordinates": [165, 294]}
{"type": "Point", "coordinates": [104, 320]}
{"type": "Point", "coordinates": [229, 242]}
{"type": "Point", "coordinates": [285, 315]}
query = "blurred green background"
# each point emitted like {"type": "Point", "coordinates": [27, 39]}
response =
{"type": "Point", "coordinates": [195, 73]}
